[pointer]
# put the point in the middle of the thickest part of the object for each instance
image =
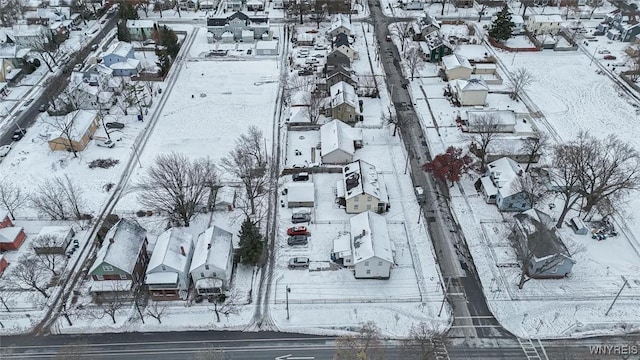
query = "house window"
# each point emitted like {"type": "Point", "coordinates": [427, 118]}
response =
{"type": "Point", "coordinates": [123, 276]}
{"type": "Point", "coordinates": [206, 267]}
{"type": "Point", "coordinates": [369, 198]}
{"type": "Point", "coordinates": [368, 207]}
{"type": "Point", "coordinates": [201, 275]}
{"type": "Point", "coordinates": [99, 277]}
{"type": "Point", "coordinates": [355, 207]}
{"type": "Point", "coordinates": [214, 275]}
{"type": "Point", "coordinates": [380, 263]}
{"type": "Point", "coordinates": [356, 199]}
{"type": "Point", "coordinates": [366, 263]}
{"type": "Point", "coordinates": [164, 268]}
{"type": "Point", "coordinates": [107, 268]}
{"type": "Point", "coordinates": [368, 272]}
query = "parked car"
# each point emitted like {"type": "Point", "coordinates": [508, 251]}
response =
{"type": "Point", "coordinates": [298, 240]}
{"type": "Point", "coordinates": [105, 143]}
{"type": "Point", "coordinates": [303, 176]}
{"type": "Point", "coordinates": [4, 150]}
{"type": "Point", "coordinates": [305, 72]}
{"type": "Point", "coordinates": [604, 51]}
{"type": "Point", "coordinates": [297, 230]}
{"type": "Point", "coordinates": [114, 125]}
{"type": "Point", "coordinates": [311, 60]}
{"type": "Point", "coordinates": [297, 218]}
{"type": "Point", "coordinates": [299, 166]}
{"type": "Point", "coordinates": [609, 57]}
{"type": "Point", "coordinates": [42, 108]}
{"type": "Point", "coordinates": [388, 37]}
{"type": "Point", "coordinates": [28, 102]}
{"type": "Point", "coordinates": [303, 54]}
{"type": "Point", "coordinates": [320, 47]}
{"type": "Point", "coordinates": [18, 134]}
{"type": "Point", "coordinates": [298, 262]}
{"type": "Point", "coordinates": [94, 47]}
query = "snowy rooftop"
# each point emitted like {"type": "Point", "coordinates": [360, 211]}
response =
{"type": "Point", "coordinates": [172, 250]}
{"type": "Point", "coordinates": [119, 48]}
{"type": "Point", "coordinates": [267, 44]}
{"type": "Point", "coordinates": [300, 192]}
{"type": "Point", "coordinates": [58, 232]}
{"type": "Point", "coordinates": [504, 172]}
{"type": "Point", "coordinates": [129, 64]}
{"type": "Point", "coordinates": [121, 246]}
{"type": "Point", "coordinates": [212, 248]}
{"type": "Point", "coordinates": [471, 85]}
{"type": "Point", "coordinates": [541, 235]}
{"type": "Point", "coordinates": [454, 61]}
{"type": "Point", "coordinates": [9, 234]}
{"type": "Point", "coordinates": [336, 135]}
{"type": "Point", "coordinates": [370, 237]}
{"type": "Point", "coordinates": [343, 92]}
{"type": "Point", "coordinates": [340, 20]}
{"type": "Point", "coordinates": [360, 177]}
{"type": "Point", "coordinates": [502, 117]}
{"type": "Point", "coordinates": [140, 24]}
{"type": "Point", "coordinates": [80, 121]}
{"type": "Point", "coordinates": [110, 285]}
{"type": "Point", "coordinates": [545, 18]}
{"type": "Point", "coordinates": [225, 195]}
{"type": "Point", "coordinates": [299, 114]}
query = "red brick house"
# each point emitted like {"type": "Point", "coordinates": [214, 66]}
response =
{"type": "Point", "coordinates": [11, 238]}
{"type": "Point", "coordinates": [5, 220]}
{"type": "Point", "coordinates": [3, 263]}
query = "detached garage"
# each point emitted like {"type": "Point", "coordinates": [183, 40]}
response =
{"type": "Point", "coordinates": [300, 195]}
{"type": "Point", "coordinates": [267, 47]}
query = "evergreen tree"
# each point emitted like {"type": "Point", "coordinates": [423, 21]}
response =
{"type": "Point", "coordinates": [123, 33]}
{"type": "Point", "coordinates": [251, 245]}
{"type": "Point", "coordinates": [502, 26]}
{"type": "Point", "coordinates": [126, 11]}
{"type": "Point", "coordinates": [164, 61]}
{"type": "Point", "coordinates": [169, 40]}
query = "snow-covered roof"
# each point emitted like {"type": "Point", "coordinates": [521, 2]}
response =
{"type": "Point", "coordinates": [299, 114]}
{"type": "Point", "coordinates": [360, 177]}
{"type": "Point", "coordinates": [542, 238]}
{"type": "Point", "coordinates": [9, 234]}
{"type": "Point", "coordinates": [130, 64]}
{"type": "Point", "coordinates": [336, 135]}
{"type": "Point", "coordinates": [471, 85]}
{"type": "Point", "coordinates": [340, 20]}
{"type": "Point", "coordinates": [342, 245]}
{"type": "Point", "coordinates": [267, 45]}
{"type": "Point", "coordinates": [227, 34]}
{"type": "Point", "coordinates": [304, 37]}
{"type": "Point", "coordinates": [110, 285]}
{"type": "Point", "coordinates": [454, 61]}
{"type": "Point", "coordinates": [208, 283]}
{"type": "Point", "coordinates": [140, 24]}
{"type": "Point", "coordinates": [343, 92]}
{"type": "Point", "coordinates": [80, 121]}
{"type": "Point", "coordinates": [300, 98]}
{"type": "Point", "coordinates": [545, 18]}
{"type": "Point", "coordinates": [121, 246]}
{"type": "Point", "coordinates": [13, 51]}
{"type": "Point", "coordinates": [119, 48]}
{"type": "Point", "coordinates": [504, 172]}
{"type": "Point", "coordinates": [517, 19]}
{"type": "Point", "coordinates": [212, 248]}
{"type": "Point", "coordinates": [3, 214]}
{"type": "Point", "coordinates": [163, 277]}
{"type": "Point", "coordinates": [58, 232]}
{"type": "Point", "coordinates": [247, 33]}
{"type": "Point", "coordinates": [485, 66]}
{"type": "Point", "coordinates": [172, 251]}
{"type": "Point", "coordinates": [23, 30]}
{"type": "Point", "coordinates": [225, 195]}
{"type": "Point", "coordinates": [370, 237]}
{"type": "Point", "coordinates": [300, 192]}
{"type": "Point", "coordinates": [488, 186]}
{"type": "Point", "coordinates": [501, 117]}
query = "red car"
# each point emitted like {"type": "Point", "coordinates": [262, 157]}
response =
{"type": "Point", "coordinates": [609, 57]}
{"type": "Point", "coordinates": [297, 230]}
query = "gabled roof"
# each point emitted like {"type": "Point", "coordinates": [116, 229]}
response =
{"type": "Point", "coordinates": [129, 64]}
{"type": "Point", "coordinates": [542, 238]}
{"type": "Point", "coordinates": [121, 246]}
{"type": "Point", "coordinates": [168, 251]}
{"type": "Point", "coordinates": [119, 48]}
{"type": "Point", "coordinates": [58, 232]}
{"type": "Point", "coordinates": [370, 237]}
{"type": "Point", "coordinates": [360, 177]}
{"type": "Point", "coordinates": [342, 93]}
{"type": "Point", "coordinates": [339, 69]}
{"type": "Point", "coordinates": [336, 135]}
{"type": "Point", "coordinates": [504, 173]}
{"type": "Point", "coordinates": [213, 248]}
{"type": "Point", "coordinates": [341, 39]}
{"type": "Point", "coordinates": [455, 61]}
{"type": "Point", "coordinates": [9, 234]}
{"type": "Point", "coordinates": [338, 21]}
{"type": "Point", "coordinates": [471, 85]}
{"type": "Point", "coordinates": [238, 15]}
{"type": "Point", "coordinates": [140, 24]}
{"type": "Point", "coordinates": [80, 121]}
{"type": "Point", "coordinates": [545, 18]}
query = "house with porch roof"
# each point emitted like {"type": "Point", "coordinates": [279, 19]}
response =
{"type": "Point", "coordinates": [167, 275]}
{"type": "Point", "coordinates": [212, 262]}
{"type": "Point", "coordinates": [344, 103]}
{"type": "Point", "coordinates": [338, 142]}
{"type": "Point", "coordinates": [501, 186]}
{"type": "Point", "coordinates": [362, 188]}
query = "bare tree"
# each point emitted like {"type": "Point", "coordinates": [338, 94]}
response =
{"type": "Point", "coordinates": [390, 117]}
{"type": "Point", "coordinates": [414, 61]}
{"type": "Point", "coordinates": [64, 125]}
{"type": "Point", "coordinates": [59, 198]}
{"type": "Point", "coordinates": [486, 128]}
{"type": "Point", "coordinates": [564, 179]}
{"type": "Point", "coordinates": [295, 84]}
{"type": "Point", "coordinates": [532, 190]}
{"type": "Point", "coordinates": [47, 259]}
{"type": "Point", "coordinates": [520, 79]}
{"type": "Point", "coordinates": [10, 12]}
{"type": "Point", "coordinates": [249, 162]}
{"type": "Point", "coordinates": [315, 103]}
{"type": "Point", "coordinates": [226, 304]}
{"type": "Point", "coordinates": [116, 302]}
{"type": "Point", "coordinates": [482, 9]}
{"type": "Point", "coordinates": [534, 146]}
{"type": "Point", "coordinates": [594, 4]}
{"type": "Point", "coordinates": [177, 186]}
{"type": "Point", "coordinates": [403, 32]}
{"type": "Point", "coordinates": [12, 197]}
{"type": "Point", "coordinates": [156, 311]}
{"type": "Point", "coordinates": [7, 292]}
{"type": "Point", "coordinates": [29, 275]}
{"type": "Point", "coordinates": [423, 343]}
{"type": "Point", "coordinates": [634, 64]}
{"type": "Point", "coordinates": [44, 45]}
{"type": "Point", "coordinates": [364, 345]}
{"type": "Point", "coordinates": [72, 194]}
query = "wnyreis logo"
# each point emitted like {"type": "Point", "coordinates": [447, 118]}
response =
{"type": "Point", "coordinates": [613, 350]}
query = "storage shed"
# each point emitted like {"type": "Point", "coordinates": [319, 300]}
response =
{"type": "Point", "coordinates": [300, 194]}
{"type": "Point", "coordinates": [269, 47]}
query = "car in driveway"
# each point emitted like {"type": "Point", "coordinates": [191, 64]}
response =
{"type": "Point", "coordinates": [297, 230]}
{"type": "Point", "coordinates": [311, 60]}
{"type": "Point", "coordinates": [609, 57]}
{"type": "Point", "coordinates": [298, 240]}
{"type": "Point", "coordinates": [299, 166]}
{"type": "Point", "coordinates": [18, 134]}
{"type": "Point", "coordinates": [297, 218]}
{"type": "Point", "coordinates": [114, 125]}
{"type": "Point", "coordinates": [604, 51]}
{"type": "Point", "coordinates": [42, 108]}
{"type": "Point", "coordinates": [4, 150]}
{"type": "Point", "coordinates": [298, 262]}
{"type": "Point", "coordinates": [303, 176]}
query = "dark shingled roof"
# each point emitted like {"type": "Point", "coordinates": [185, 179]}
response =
{"type": "Point", "coordinates": [542, 239]}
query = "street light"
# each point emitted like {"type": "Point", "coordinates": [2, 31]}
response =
{"type": "Point", "coordinates": [287, 297]}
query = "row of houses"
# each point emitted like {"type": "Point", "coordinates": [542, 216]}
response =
{"type": "Point", "coordinates": [125, 262]}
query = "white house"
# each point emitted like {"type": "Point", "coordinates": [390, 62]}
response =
{"type": "Point", "coordinates": [502, 121]}
{"type": "Point", "coordinates": [58, 238]}
{"type": "Point", "coordinates": [371, 246]}
{"type": "Point", "coordinates": [300, 194]}
{"type": "Point", "coordinates": [140, 29]}
{"type": "Point", "coordinates": [470, 92]}
{"type": "Point", "coordinates": [338, 142]}
{"type": "Point", "coordinates": [120, 58]}
{"type": "Point", "coordinates": [212, 261]}
{"type": "Point", "coordinates": [344, 102]}
{"type": "Point", "coordinates": [340, 24]}
{"type": "Point", "coordinates": [225, 199]}
{"type": "Point", "coordinates": [544, 24]}
{"type": "Point", "coordinates": [518, 22]}
{"type": "Point", "coordinates": [501, 186]}
{"type": "Point", "coordinates": [267, 47]}
{"type": "Point", "coordinates": [168, 270]}
{"type": "Point", "coordinates": [456, 67]}
{"type": "Point", "coordinates": [362, 188]}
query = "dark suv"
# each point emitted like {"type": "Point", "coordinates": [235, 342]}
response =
{"type": "Point", "coordinates": [303, 176]}
{"type": "Point", "coordinates": [298, 240]}
{"type": "Point", "coordinates": [300, 218]}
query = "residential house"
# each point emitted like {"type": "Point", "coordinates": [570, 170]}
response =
{"type": "Point", "coordinates": [225, 199]}
{"type": "Point", "coordinates": [501, 121]}
{"type": "Point", "coordinates": [300, 194]}
{"type": "Point", "coordinates": [11, 237]}
{"type": "Point", "coordinates": [207, 5]}
{"type": "Point", "coordinates": [518, 24]}
{"type": "Point", "coordinates": [255, 5]}
{"type": "Point", "coordinates": [5, 220]}
{"type": "Point", "coordinates": [371, 252]}
{"type": "Point", "coordinates": [549, 258]}
{"type": "Point", "coordinates": [267, 47]}
{"type": "Point", "coordinates": [3, 263]}
{"type": "Point", "coordinates": [501, 186]}
{"type": "Point", "coordinates": [412, 4]}
{"type": "Point", "coordinates": [236, 23]}
{"type": "Point", "coordinates": [544, 24]}
{"type": "Point", "coordinates": [305, 39]}
{"type": "Point", "coordinates": [338, 142]}
{"type": "Point", "coordinates": [12, 58]}
{"type": "Point", "coordinates": [470, 92]}
{"type": "Point", "coordinates": [433, 48]}
{"type": "Point", "coordinates": [212, 262]}
{"type": "Point", "coordinates": [511, 147]}
{"type": "Point", "coordinates": [233, 5]}
{"type": "Point", "coordinates": [340, 73]}
{"type": "Point", "coordinates": [621, 27]}
{"type": "Point", "coordinates": [344, 103]}
{"type": "Point", "coordinates": [120, 58]}
{"type": "Point", "coordinates": [80, 126]}
{"type": "Point", "coordinates": [456, 67]}
{"type": "Point", "coordinates": [30, 35]}
{"type": "Point", "coordinates": [167, 275]}
{"type": "Point", "coordinates": [140, 30]}
{"type": "Point", "coordinates": [55, 239]}
{"type": "Point", "coordinates": [341, 44]}
{"type": "Point", "coordinates": [425, 26]}
{"type": "Point", "coordinates": [362, 189]}
{"type": "Point", "coordinates": [340, 24]}
{"type": "Point", "coordinates": [337, 59]}
{"type": "Point", "coordinates": [46, 16]}
{"type": "Point", "coordinates": [121, 261]}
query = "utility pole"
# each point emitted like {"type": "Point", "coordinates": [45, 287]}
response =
{"type": "Point", "coordinates": [287, 297]}
{"type": "Point", "coordinates": [617, 295]}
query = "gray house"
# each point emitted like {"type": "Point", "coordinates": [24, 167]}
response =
{"type": "Point", "coordinates": [335, 59]}
{"type": "Point", "coordinates": [500, 186]}
{"type": "Point", "coordinates": [240, 25]}
{"type": "Point", "coordinates": [548, 257]}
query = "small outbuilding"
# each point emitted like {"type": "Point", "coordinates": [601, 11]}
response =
{"type": "Point", "coordinates": [267, 47]}
{"type": "Point", "coordinates": [471, 92]}
{"type": "Point", "coordinates": [456, 67]}
{"type": "Point", "coordinates": [300, 194]}
{"type": "Point", "coordinates": [53, 239]}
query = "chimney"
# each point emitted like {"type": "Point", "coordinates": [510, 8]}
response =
{"type": "Point", "coordinates": [364, 232]}
{"type": "Point", "coordinates": [111, 240]}
{"type": "Point", "coordinates": [182, 251]}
